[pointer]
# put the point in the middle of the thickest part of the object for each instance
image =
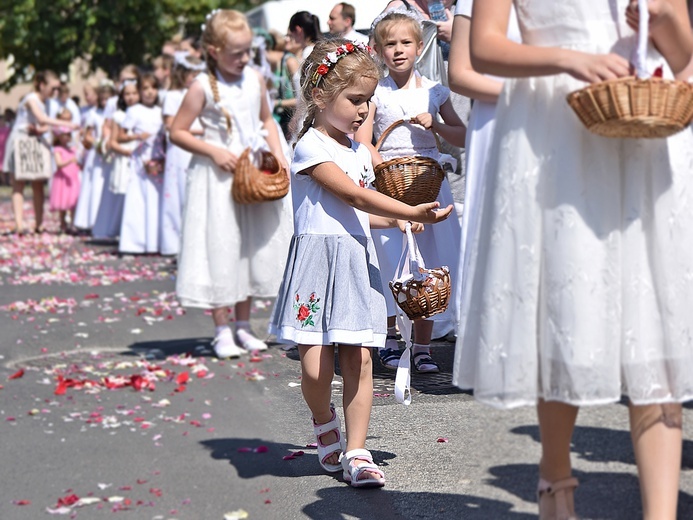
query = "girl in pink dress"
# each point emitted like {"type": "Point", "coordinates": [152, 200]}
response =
{"type": "Point", "coordinates": [65, 184]}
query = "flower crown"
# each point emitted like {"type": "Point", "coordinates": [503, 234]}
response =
{"type": "Point", "coordinates": [331, 58]}
{"type": "Point", "coordinates": [208, 18]}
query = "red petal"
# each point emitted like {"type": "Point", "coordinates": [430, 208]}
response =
{"type": "Point", "coordinates": [182, 378]}
{"type": "Point", "coordinates": [22, 502]}
{"type": "Point", "coordinates": [659, 72]}
{"type": "Point", "coordinates": [19, 373]}
{"type": "Point", "coordinates": [442, 439]}
{"type": "Point", "coordinates": [261, 449]}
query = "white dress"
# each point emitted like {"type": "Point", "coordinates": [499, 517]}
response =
{"type": "Point", "coordinates": [230, 251]}
{"type": "Point", "coordinates": [582, 273]}
{"type": "Point", "coordinates": [478, 142]}
{"type": "Point", "coordinates": [92, 175]}
{"type": "Point", "coordinates": [139, 231]}
{"type": "Point", "coordinates": [173, 198]}
{"type": "Point", "coordinates": [20, 129]}
{"type": "Point", "coordinates": [331, 292]}
{"type": "Point", "coordinates": [439, 244]}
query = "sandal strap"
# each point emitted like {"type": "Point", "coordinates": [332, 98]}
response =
{"type": "Point", "coordinates": [388, 354]}
{"type": "Point", "coordinates": [357, 471]}
{"type": "Point", "coordinates": [332, 424]}
{"type": "Point", "coordinates": [358, 453]}
{"type": "Point", "coordinates": [326, 451]}
{"type": "Point", "coordinates": [423, 358]}
{"type": "Point", "coordinates": [559, 485]}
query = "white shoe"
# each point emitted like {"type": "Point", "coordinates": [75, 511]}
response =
{"type": "Point", "coordinates": [225, 346]}
{"type": "Point", "coordinates": [250, 342]}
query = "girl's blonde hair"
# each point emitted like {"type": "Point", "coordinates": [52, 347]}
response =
{"type": "Point", "coordinates": [388, 22]}
{"type": "Point", "coordinates": [221, 22]}
{"type": "Point", "coordinates": [346, 72]}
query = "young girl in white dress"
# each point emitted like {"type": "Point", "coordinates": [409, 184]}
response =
{"type": "Point", "coordinates": [93, 197]}
{"type": "Point", "coordinates": [332, 294]}
{"type": "Point", "coordinates": [139, 230]}
{"type": "Point", "coordinates": [581, 270]}
{"type": "Point", "coordinates": [186, 67]}
{"type": "Point", "coordinates": [229, 252]}
{"type": "Point", "coordinates": [404, 94]}
{"type": "Point", "coordinates": [484, 90]}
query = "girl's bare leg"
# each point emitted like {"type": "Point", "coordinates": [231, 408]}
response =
{"type": "Point", "coordinates": [39, 199]}
{"type": "Point", "coordinates": [317, 372]}
{"type": "Point", "coordinates": [556, 425]}
{"type": "Point", "coordinates": [656, 431]}
{"type": "Point", "coordinates": [18, 203]}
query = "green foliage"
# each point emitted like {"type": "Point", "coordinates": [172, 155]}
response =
{"type": "Point", "coordinates": [50, 34]}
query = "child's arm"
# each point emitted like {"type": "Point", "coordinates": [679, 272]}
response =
{"type": "Point", "coordinates": [59, 160]}
{"type": "Point", "coordinates": [114, 140]}
{"type": "Point", "coordinates": [463, 78]}
{"type": "Point", "coordinates": [493, 53]}
{"type": "Point", "coordinates": [193, 103]}
{"type": "Point", "coordinates": [364, 135]}
{"type": "Point", "coordinates": [333, 179]}
{"type": "Point", "coordinates": [669, 28]}
{"type": "Point", "coordinates": [88, 139]}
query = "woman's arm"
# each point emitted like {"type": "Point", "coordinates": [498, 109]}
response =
{"type": "Point", "coordinates": [669, 28]}
{"type": "Point", "coordinates": [493, 53]}
{"type": "Point", "coordinates": [463, 78]}
{"type": "Point", "coordinates": [43, 120]}
{"type": "Point", "coordinates": [333, 179]}
{"type": "Point", "coordinates": [193, 103]}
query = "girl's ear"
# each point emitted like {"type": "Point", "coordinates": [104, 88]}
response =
{"type": "Point", "coordinates": [213, 52]}
{"type": "Point", "coordinates": [419, 48]}
{"type": "Point", "coordinates": [319, 98]}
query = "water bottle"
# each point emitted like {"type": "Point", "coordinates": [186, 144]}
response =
{"type": "Point", "coordinates": [436, 10]}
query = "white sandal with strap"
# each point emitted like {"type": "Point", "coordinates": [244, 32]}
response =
{"type": "Point", "coordinates": [326, 450]}
{"type": "Point", "coordinates": [352, 472]}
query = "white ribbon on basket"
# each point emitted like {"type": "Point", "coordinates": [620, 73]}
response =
{"type": "Point", "coordinates": [406, 270]}
{"type": "Point", "coordinates": [643, 40]}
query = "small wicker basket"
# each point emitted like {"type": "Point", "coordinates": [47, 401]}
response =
{"type": "Point", "coordinates": [421, 299]}
{"type": "Point", "coordinates": [423, 292]}
{"type": "Point", "coordinates": [252, 184]}
{"type": "Point", "coordinates": [632, 107]}
{"type": "Point", "coordinates": [412, 180]}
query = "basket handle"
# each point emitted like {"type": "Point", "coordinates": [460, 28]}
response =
{"type": "Point", "coordinates": [643, 37]}
{"type": "Point", "coordinates": [394, 125]}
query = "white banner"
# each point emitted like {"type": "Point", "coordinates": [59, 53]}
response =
{"type": "Point", "coordinates": [32, 159]}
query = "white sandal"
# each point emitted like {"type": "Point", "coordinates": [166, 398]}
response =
{"type": "Point", "coordinates": [351, 473]}
{"type": "Point", "coordinates": [325, 450]}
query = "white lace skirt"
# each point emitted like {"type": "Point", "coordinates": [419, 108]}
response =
{"type": "Point", "coordinates": [583, 275]}
{"type": "Point", "coordinates": [229, 251]}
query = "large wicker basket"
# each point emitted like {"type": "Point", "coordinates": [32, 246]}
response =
{"type": "Point", "coordinates": [421, 299]}
{"type": "Point", "coordinates": [252, 184]}
{"type": "Point", "coordinates": [632, 107]}
{"type": "Point", "coordinates": [412, 180]}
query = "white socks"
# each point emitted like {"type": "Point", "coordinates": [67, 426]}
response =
{"type": "Point", "coordinates": [246, 339]}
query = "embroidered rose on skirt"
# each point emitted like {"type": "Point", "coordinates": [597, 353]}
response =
{"type": "Point", "coordinates": [305, 311]}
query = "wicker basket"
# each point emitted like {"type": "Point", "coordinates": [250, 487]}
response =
{"type": "Point", "coordinates": [632, 107]}
{"type": "Point", "coordinates": [252, 184]}
{"type": "Point", "coordinates": [412, 180]}
{"type": "Point", "coordinates": [420, 299]}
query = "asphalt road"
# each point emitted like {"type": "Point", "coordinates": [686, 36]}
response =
{"type": "Point", "coordinates": [118, 407]}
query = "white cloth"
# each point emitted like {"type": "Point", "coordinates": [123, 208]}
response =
{"type": "Point", "coordinates": [439, 243]}
{"type": "Point", "coordinates": [479, 135]}
{"type": "Point", "coordinates": [176, 166]}
{"type": "Point", "coordinates": [20, 127]}
{"type": "Point", "coordinates": [582, 271]}
{"type": "Point", "coordinates": [92, 175]}
{"type": "Point", "coordinates": [139, 231]}
{"type": "Point", "coordinates": [229, 251]}
{"type": "Point", "coordinates": [316, 210]}
{"type": "Point", "coordinates": [356, 37]}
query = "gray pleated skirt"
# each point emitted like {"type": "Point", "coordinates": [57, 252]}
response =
{"type": "Point", "coordinates": [331, 293]}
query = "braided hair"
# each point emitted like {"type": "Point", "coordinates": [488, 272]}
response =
{"type": "Point", "coordinates": [214, 30]}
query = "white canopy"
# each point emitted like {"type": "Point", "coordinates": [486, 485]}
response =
{"type": "Point", "coordinates": [277, 13]}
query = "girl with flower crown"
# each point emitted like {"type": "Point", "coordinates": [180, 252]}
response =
{"type": "Point", "coordinates": [229, 252]}
{"type": "Point", "coordinates": [331, 294]}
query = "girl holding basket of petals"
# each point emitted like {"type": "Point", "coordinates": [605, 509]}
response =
{"type": "Point", "coordinates": [580, 291]}
{"type": "Point", "coordinates": [229, 252]}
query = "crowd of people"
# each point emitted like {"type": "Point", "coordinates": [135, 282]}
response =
{"type": "Point", "coordinates": [566, 253]}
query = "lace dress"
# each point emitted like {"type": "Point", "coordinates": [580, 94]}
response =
{"type": "Point", "coordinates": [230, 251]}
{"type": "Point", "coordinates": [439, 243]}
{"type": "Point", "coordinates": [582, 273]}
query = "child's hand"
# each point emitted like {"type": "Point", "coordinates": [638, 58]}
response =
{"type": "Point", "coordinates": [416, 227]}
{"type": "Point", "coordinates": [143, 136]}
{"type": "Point", "coordinates": [658, 9]}
{"type": "Point", "coordinates": [597, 67]}
{"type": "Point", "coordinates": [445, 28]}
{"type": "Point", "coordinates": [224, 159]}
{"type": "Point", "coordinates": [426, 212]}
{"type": "Point", "coordinates": [425, 120]}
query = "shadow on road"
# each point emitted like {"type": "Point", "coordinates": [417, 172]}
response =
{"type": "Point", "coordinates": [196, 347]}
{"type": "Point", "coordinates": [337, 503]}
